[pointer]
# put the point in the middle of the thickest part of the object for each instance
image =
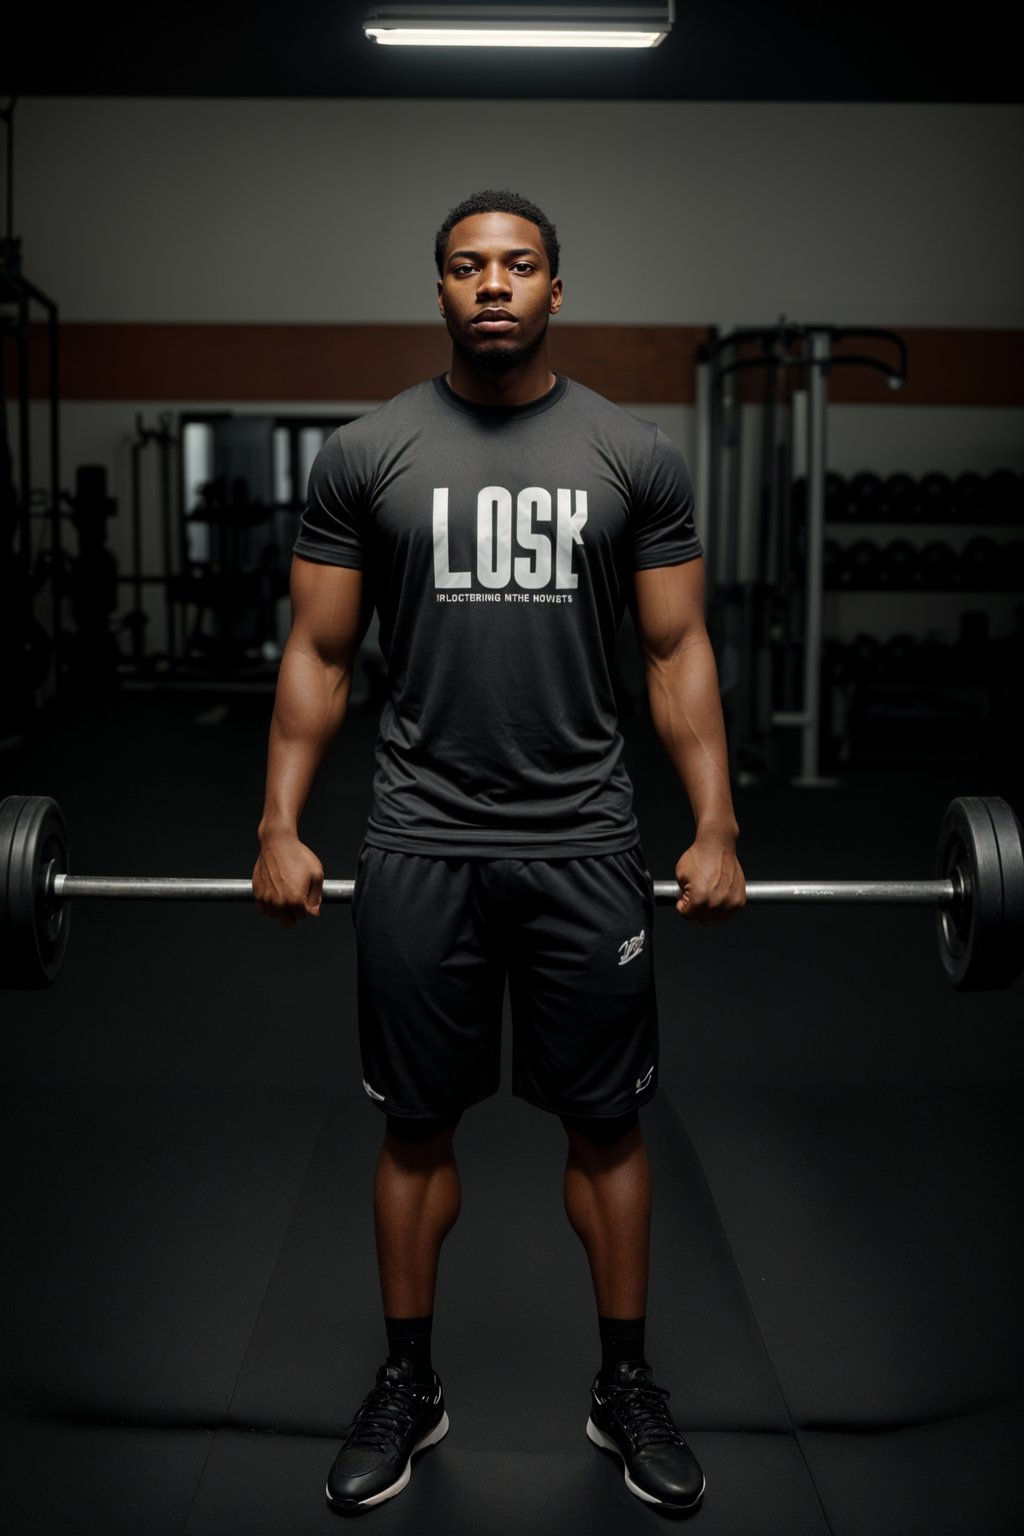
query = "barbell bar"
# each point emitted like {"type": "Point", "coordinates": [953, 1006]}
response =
{"type": "Point", "coordinates": [907, 893]}
{"type": "Point", "coordinates": [977, 892]}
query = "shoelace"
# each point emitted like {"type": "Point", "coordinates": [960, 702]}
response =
{"type": "Point", "coordinates": [644, 1414]}
{"type": "Point", "coordinates": [384, 1417]}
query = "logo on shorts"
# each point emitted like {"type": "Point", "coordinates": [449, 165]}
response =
{"type": "Point", "coordinates": [645, 1081]}
{"type": "Point", "coordinates": [630, 948]}
{"type": "Point", "coordinates": [373, 1092]}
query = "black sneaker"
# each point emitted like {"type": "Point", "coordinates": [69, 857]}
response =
{"type": "Point", "coordinates": [397, 1419]}
{"type": "Point", "coordinates": [629, 1416]}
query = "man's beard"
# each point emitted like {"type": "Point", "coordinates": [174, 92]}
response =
{"type": "Point", "coordinates": [497, 359]}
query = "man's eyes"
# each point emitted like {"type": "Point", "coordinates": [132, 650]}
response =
{"type": "Point", "coordinates": [465, 268]}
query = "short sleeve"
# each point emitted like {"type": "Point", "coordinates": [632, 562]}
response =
{"type": "Point", "coordinates": [333, 526]}
{"type": "Point", "coordinates": [664, 529]}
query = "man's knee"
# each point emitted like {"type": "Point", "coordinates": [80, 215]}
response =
{"type": "Point", "coordinates": [602, 1131]}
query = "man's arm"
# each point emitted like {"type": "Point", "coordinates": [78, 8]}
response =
{"type": "Point", "coordinates": [682, 685]}
{"type": "Point", "coordinates": [309, 706]}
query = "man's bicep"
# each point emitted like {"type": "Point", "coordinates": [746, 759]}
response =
{"type": "Point", "coordinates": [669, 606]}
{"type": "Point", "coordinates": [329, 609]}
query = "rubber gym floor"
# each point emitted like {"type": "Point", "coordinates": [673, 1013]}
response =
{"type": "Point", "coordinates": [191, 1297]}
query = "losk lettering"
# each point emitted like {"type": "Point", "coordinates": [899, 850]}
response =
{"type": "Point", "coordinates": [520, 545]}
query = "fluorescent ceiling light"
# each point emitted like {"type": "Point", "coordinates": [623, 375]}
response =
{"type": "Point", "coordinates": [520, 26]}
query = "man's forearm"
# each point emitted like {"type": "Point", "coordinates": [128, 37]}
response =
{"type": "Point", "coordinates": [687, 712]}
{"type": "Point", "coordinates": [309, 707]}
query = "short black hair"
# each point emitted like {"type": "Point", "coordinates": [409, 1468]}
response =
{"type": "Point", "coordinates": [498, 202]}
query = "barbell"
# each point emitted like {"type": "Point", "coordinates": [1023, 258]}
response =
{"type": "Point", "coordinates": [977, 892]}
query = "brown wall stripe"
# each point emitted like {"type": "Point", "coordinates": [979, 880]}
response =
{"type": "Point", "coordinates": [650, 364]}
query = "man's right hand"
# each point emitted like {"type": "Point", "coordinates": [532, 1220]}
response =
{"type": "Point", "coordinates": [288, 880]}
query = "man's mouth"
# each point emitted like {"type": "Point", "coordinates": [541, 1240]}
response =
{"type": "Point", "coordinates": [494, 321]}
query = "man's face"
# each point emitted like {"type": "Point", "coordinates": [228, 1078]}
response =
{"type": "Point", "coordinates": [497, 293]}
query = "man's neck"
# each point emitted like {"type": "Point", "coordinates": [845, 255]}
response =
{"type": "Point", "coordinates": [519, 386]}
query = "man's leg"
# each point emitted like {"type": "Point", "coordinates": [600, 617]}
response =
{"type": "Point", "coordinates": [608, 1202]}
{"type": "Point", "coordinates": [416, 1199]}
{"type": "Point", "coordinates": [584, 1007]}
{"type": "Point", "coordinates": [430, 1035]}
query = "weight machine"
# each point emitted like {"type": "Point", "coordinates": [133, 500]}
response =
{"type": "Point", "coordinates": [765, 572]}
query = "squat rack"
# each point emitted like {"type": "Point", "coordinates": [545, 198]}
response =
{"type": "Point", "coordinates": [737, 606]}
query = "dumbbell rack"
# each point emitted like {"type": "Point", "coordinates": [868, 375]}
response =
{"type": "Point", "coordinates": [895, 547]}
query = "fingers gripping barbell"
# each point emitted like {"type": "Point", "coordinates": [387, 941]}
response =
{"type": "Point", "coordinates": [977, 892]}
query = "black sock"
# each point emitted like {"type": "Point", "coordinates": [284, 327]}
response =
{"type": "Point", "coordinates": [622, 1338]}
{"type": "Point", "coordinates": [409, 1339]}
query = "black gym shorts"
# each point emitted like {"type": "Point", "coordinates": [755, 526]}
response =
{"type": "Point", "coordinates": [436, 938]}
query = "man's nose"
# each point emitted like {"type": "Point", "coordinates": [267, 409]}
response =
{"type": "Point", "coordinates": [494, 278]}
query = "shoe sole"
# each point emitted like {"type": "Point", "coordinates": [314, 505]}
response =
{"type": "Point", "coordinates": [606, 1443]}
{"type": "Point", "coordinates": [437, 1433]}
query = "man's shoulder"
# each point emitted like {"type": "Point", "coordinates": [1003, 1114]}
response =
{"type": "Point", "coordinates": [640, 449]}
{"type": "Point", "coordinates": [608, 416]}
{"type": "Point", "coordinates": [409, 408]}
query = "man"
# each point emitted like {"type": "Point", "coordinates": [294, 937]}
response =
{"type": "Point", "coordinates": [500, 519]}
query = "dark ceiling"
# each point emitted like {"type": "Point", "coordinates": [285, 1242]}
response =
{"type": "Point", "coordinates": [720, 50]}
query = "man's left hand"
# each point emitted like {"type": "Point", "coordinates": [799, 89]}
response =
{"type": "Point", "coordinates": [711, 882]}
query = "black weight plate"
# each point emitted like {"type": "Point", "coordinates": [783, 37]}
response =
{"type": "Point", "coordinates": [865, 494]}
{"type": "Point", "coordinates": [1007, 952]}
{"type": "Point", "coordinates": [936, 493]}
{"type": "Point", "coordinates": [861, 565]}
{"type": "Point", "coordinates": [865, 656]}
{"type": "Point", "coordinates": [979, 565]}
{"type": "Point", "coordinates": [1011, 565]}
{"type": "Point", "coordinates": [899, 655]}
{"type": "Point", "coordinates": [969, 932]}
{"type": "Point", "coordinates": [837, 496]}
{"type": "Point", "coordinates": [899, 498]}
{"type": "Point", "coordinates": [1006, 495]}
{"type": "Point", "coordinates": [9, 810]}
{"type": "Point", "coordinates": [970, 497]}
{"type": "Point", "coordinates": [899, 567]}
{"type": "Point", "coordinates": [832, 563]}
{"type": "Point", "coordinates": [33, 929]}
{"type": "Point", "coordinates": [938, 566]}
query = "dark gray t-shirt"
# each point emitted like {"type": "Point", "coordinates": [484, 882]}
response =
{"type": "Point", "coordinates": [499, 546]}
